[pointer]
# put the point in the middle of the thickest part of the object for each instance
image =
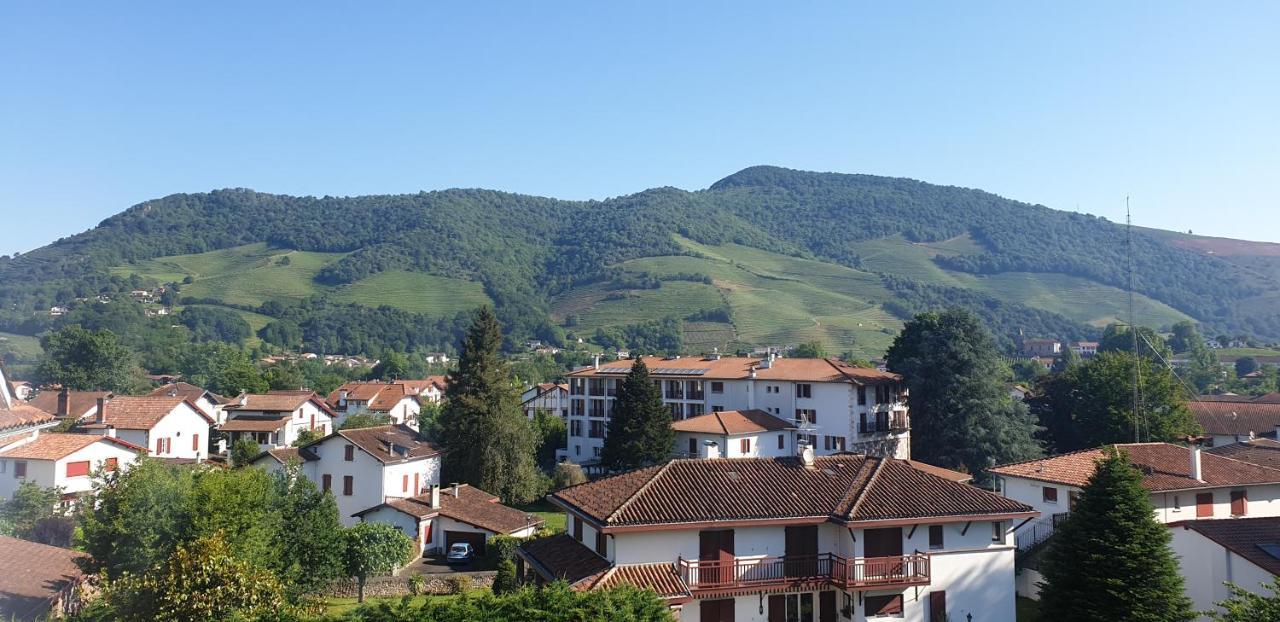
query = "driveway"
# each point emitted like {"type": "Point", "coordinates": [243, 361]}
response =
{"type": "Point", "coordinates": [435, 565]}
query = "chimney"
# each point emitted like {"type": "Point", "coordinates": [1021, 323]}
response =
{"type": "Point", "coordinates": [101, 416]}
{"type": "Point", "coordinates": [456, 488]}
{"type": "Point", "coordinates": [111, 431]}
{"type": "Point", "coordinates": [342, 397]}
{"type": "Point", "coordinates": [1196, 472]}
{"type": "Point", "coordinates": [597, 362]}
{"type": "Point", "coordinates": [710, 450]}
{"type": "Point", "coordinates": [64, 402]}
{"type": "Point", "coordinates": [435, 495]}
{"type": "Point", "coordinates": [806, 454]}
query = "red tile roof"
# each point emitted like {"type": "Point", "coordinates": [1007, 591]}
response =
{"type": "Point", "coordinates": [179, 389]}
{"type": "Point", "coordinates": [56, 446]}
{"type": "Point", "coordinates": [472, 506]}
{"type": "Point", "coordinates": [79, 402]}
{"type": "Point", "coordinates": [1236, 418]}
{"type": "Point", "coordinates": [142, 413]}
{"type": "Point", "coordinates": [1242, 536]}
{"type": "Point", "coordinates": [1260, 451]}
{"type": "Point", "coordinates": [739, 368]}
{"type": "Point", "coordinates": [843, 488]}
{"type": "Point", "coordinates": [388, 443]}
{"type": "Point", "coordinates": [277, 401]}
{"type": "Point", "coordinates": [661, 578]}
{"type": "Point", "coordinates": [254, 424]}
{"type": "Point", "coordinates": [1165, 467]}
{"type": "Point", "coordinates": [36, 574]}
{"type": "Point", "coordinates": [562, 558]}
{"type": "Point", "coordinates": [732, 422]}
{"type": "Point", "coordinates": [21, 415]}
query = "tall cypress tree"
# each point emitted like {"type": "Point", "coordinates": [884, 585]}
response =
{"type": "Point", "coordinates": [1111, 559]}
{"type": "Point", "coordinates": [488, 442]}
{"type": "Point", "coordinates": [640, 431]}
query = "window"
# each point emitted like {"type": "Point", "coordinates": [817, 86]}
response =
{"type": "Point", "coordinates": [575, 428]}
{"type": "Point", "coordinates": [1204, 505]}
{"type": "Point", "coordinates": [349, 453]}
{"type": "Point", "coordinates": [602, 544]}
{"type": "Point", "coordinates": [935, 537]}
{"type": "Point", "coordinates": [693, 446]}
{"type": "Point", "coordinates": [744, 445]}
{"type": "Point", "coordinates": [693, 410]}
{"type": "Point", "coordinates": [862, 396]}
{"type": "Point", "coordinates": [883, 605]}
{"type": "Point", "coordinates": [110, 464]}
{"type": "Point", "coordinates": [579, 408]}
{"type": "Point", "coordinates": [782, 441]}
{"type": "Point", "coordinates": [404, 483]}
{"type": "Point", "coordinates": [577, 529]}
{"type": "Point", "coordinates": [595, 452]}
{"type": "Point", "coordinates": [577, 450]}
{"type": "Point", "coordinates": [1049, 494]}
{"type": "Point", "coordinates": [716, 408]}
{"type": "Point", "coordinates": [4, 466]}
{"type": "Point", "coordinates": [804, 390]}
{"type": "Point", "coordinates": [597, 408]}
{"type": "Point", "coordinates": [348, 485]}
{"type": "Point", "coordinates": [938, 606]}
{"type": "Point", "coordinates": [677, 411]}
{"type": "Point", "coordinates": [78, 469]}
{"type": "Point", "coordinates": [806, 415]}
{"type": "Point", "coordinates": [1177, 503]}
{"type": "Point", "coordinates": [597, 429]}
{"type": "Point", "coordinates": [799, 607]}
{"type": "Point", "coordinates": [997, 531]}
{"type": "Point", "coordinates": [833, 443]}
{"type": "Point", "coordinates": [326, 482]}
{"type": "Point", "coordinates": [717, 387]}
{"type": "Point", "coordinates": [1239, 503]}
{"type": "Point", "coordinates": [19, 468]}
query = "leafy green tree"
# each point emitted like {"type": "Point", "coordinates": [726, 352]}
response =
{"type": "Point", "coordinates": [243, 451]}
{"type": "Point", "coordinates": [556, 602]}
{"type": "Point", "coordinates": [1117, 338]}
{"type": "Point", "coordinates": [810, 350]}
{"type": "Point", "coordinates": [238, 505]}
{"type": "Point", "coordinates": [373, 548]}
{"type": "Point", "coordinates": [505, 581]}
{"type": "Point", "coordinates": [429, 421]}
{"type": "Point", "coordinates": [204, 581]}
{"type": "Point", "coordinates": [112, 530]}
{"type": "Point", "coordinates": [1185, 337]}
{"type": "Point", "coordinates": [391, 366]}
{"type": "Point", "coordinates": [86, 360]}
{"type": "Point", "coordinates": [1092, 404]}
{"type": "Point", "coordinates": [552, 436]}
{"type": "Point", "coordinates": [30, 512]}
{"type": "Point", "coordinates": [1246, 365]}
{"type": "Point", "coordinates": [364, 419]}
{"type": "Point", "coordinates": [488, 441]}
{"type": "Point", "coordinates": [640, 431]}
{"type": "Point", "coordinates": [310, 545]}
{"type": "Point", "coordinates": [222, 368]}
{"type": "Point", "coordinates": [1246, 606]}
{"type": "Point", "coordinates": [960, 411]}
{"type": "Point", "coordinates": [1069, 359]}
{"type": "Point", "coordinates": [567, 474]}
{"type": "Point", "coordinates": [284, 376]}
{"type": "Point", "coordinates": [306, 437]}
{"type": "Point", "coordinates": [1111, 559]}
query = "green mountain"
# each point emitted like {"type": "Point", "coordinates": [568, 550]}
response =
{"type": "Point", "coordinates": [764, 256]}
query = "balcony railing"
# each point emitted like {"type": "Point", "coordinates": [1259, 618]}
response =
{"type": "Point", "coordinates": [1032, 535]}
{"type": "Point", "coordinates": [892, 424]}
{"type": "Point", "coordinates": [827, 568]}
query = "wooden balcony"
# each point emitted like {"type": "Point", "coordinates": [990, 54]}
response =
{"type": "Point", "coordinates": [705, 577]}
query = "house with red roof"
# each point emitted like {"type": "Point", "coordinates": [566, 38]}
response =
{"type": "Point", "coordinates": [67, 404]}
{"type": "Point", "coordinates": [837, 407]}
{"type": "Point", "coordinates": [395, 399]}
{"type": "Point", "coordinates": [735, 434]}
{"type": "Point", "coordinates": [1211, 553]}
{"type": "Point", "coordinates": [61, 460]}
{"type": "Point", "coordinates": [276, 418]}
{"type": "Point", "coordinates": [1236, 418]}
{"type": "Point", "coordinates": [440, 518]}
{"type": "Point", "coordinates": [814, 538]}
{"type": "Point", "coordinates": [168, 426]}
{"type": "Point", "coordinates": [49, 585]}
{"type": "Point", "coordinates": [208, 402]}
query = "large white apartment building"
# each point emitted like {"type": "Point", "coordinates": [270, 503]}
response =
{"type": "Point", "coordinates": [841, 408]}
{"type": "Point", "coordinates": [802, 539]}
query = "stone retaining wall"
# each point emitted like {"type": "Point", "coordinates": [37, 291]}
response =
{"type": "Point", "coordinates": [399, 586]}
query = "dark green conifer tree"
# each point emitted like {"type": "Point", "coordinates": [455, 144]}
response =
{"type": "Point", "coordinates": [640, 431]}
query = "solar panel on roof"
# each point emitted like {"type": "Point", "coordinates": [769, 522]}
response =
{"type": "Point", "coordinates": [1271, 548]}
{"type": "Point", "coordinates": [677, 371]}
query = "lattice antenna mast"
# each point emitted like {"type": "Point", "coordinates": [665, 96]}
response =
{"type": "Point", "coordinates": [1133, 327]}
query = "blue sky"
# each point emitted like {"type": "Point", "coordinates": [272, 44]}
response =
{"type": "Point", "coordinates": [1073, 105]}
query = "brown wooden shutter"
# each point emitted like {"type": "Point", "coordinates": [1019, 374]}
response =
{"type": "Point", "coordinates": [577, 529]}
{"type": "Point", "coordinates": [350, 453]}
{"type": "Point", "coordinates": [348, 485]}
{"type": "Point", "coordinates": [827, 606]}
{"type": "Point", "coordinates": [1239, 503]}
{"type": "Point", "coordinates": [326, 482]}
{"type": "Point", "coordinates": [1204, 505]}
{"type": "Point", "coordinates": [938, 606]}
{"type": "Point", "coordinates": [778, 608]}
{"type": "Point", "coordinates": [602, 544]}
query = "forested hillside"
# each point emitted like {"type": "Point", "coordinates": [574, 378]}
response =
{"type": "Point", "coordinates": [764, 256]}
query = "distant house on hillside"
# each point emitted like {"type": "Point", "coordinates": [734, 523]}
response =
{"type": "Point", "coordinates": [1233, 419]}
{"type": "Point", "coordinates": [431, 389]}
{"type": "Point", "coordinates": [436, 358]}
{"type": "Point", "coordinates": [1041, 347]}
{"type": "Point", "coordinates": [1086, 349]}
{"type": "Point", "coordinates": [397, 400]}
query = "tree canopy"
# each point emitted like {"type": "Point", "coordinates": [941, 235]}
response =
{"type": "Point", "coordinates": [639, 432]}
{"type": "Point", "coordinates": [86, 360]}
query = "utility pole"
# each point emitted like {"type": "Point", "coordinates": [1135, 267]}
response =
{"type": "Point", "coordinates": [1133, 328]}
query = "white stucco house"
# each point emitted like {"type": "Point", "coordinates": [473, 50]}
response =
{"type": "Point", "coordinates": [735, 434]}
{"type": "Point", "coordinates": [64, 461]}
{"type": "Point", "coordinates": [841, 407]}
{"type": "Point", "coordinates": [460, 513]}
{"type": "Point", "coordinates": [206, 401]}
{"type": "Point", "coordinates": [845, 537]}
{"type": "Point", "coordinates": [548, 397]}
{"type": "Point", "coordinates": [395, 399]}
{"type": "Point", "coordinates": [1211, 553]}
{"type": "Point", "coordinates": [364, 467]}
{"type": "Point", "coordinates": [275, 419]}
{"type": "Point", "coordinates": [167, 426]}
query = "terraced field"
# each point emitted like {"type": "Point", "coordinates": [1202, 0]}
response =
{"type": "Point", "coordinates": [19, 349]}
{"type": "Point", "coordinates": [417, 292]}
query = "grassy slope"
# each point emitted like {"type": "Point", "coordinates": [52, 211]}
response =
{"type": "Point", "coordinates": [253, 274]}
{"type": "Point", "coordinates": [23, 348]}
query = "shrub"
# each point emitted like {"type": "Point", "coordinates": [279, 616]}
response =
{"type": "Point", "coordinates": [567, 474]}
{"type": "Point", "coordinates": [459, 583]}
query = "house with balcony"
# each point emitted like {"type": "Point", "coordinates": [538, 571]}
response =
{"type": "Point", "coordinates": [548, 397]}
{"type": "Point", "coordinates": [394, 399]}
{"type": "Point", "coordinates": [364, 467]}
{"type": "Point", "coordinates": [804, 539]}
{"type": "Point", "coordinates": [841, 407]}
{"type": "Point", "coordinates": [735, 434]}
{"type": "Point", "coordinates": [276, 418]}
{"type": "Point", "coordinates": [1184, 483]}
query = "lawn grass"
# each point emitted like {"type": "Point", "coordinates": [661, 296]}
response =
{"type": "Point", "coordinates": [416, 292]}
{"type": "Point", "coordinates": [23, 348]}
{"type": "Point", "coordinates": [553, 517]}
{"type": "Point", "coordinates": [337, 606]}
{"type": "Point", "coordinates": [1247, 352]}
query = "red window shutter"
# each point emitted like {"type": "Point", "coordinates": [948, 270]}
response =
{"type": "Point", "coordinates": [938, 606]}
{"type": "Point", "coordinates": [1239, 503]}
{"type": "Point", "coordinates": [350, 453]}
{"type": "Point", "coordinates": [78, 469]}
{"type": "Point", "coordinates": [347, 485]}
{"type": "Point", "coordinates": [416, 487]}
{"type": "Point", "coordinates": [404, 483]}
{"type": "Point", "coordinates": [195, 442]}
{"type": "Point", "coordinates": [159, 446]}
{"type": "Point", "coordinates": [746, 446]}
{"type": "Point", "coordinates": [1204, 505]}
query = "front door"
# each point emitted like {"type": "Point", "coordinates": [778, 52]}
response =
{"type": "Point", "coordinates": [716, 610]}
{"type": "Point", "coordinates": [827, 606]}
{"type": "Point", "coordinates": [801, 560]}
{"type": "Point", "coordinates": [777, 608]}
{"type": "Point", "coordinates": [715, 552]}
{"type": "Point", "coordinates": [885, 544]}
